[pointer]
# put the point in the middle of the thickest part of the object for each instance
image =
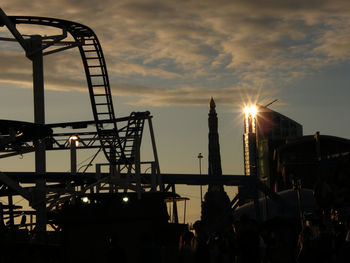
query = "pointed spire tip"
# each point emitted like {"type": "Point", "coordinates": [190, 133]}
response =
{"type": "Point", "coordinates": [212, 103]}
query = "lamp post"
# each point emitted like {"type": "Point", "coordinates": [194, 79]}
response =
{"type": "Point", "coordinates": [200, 157]}
{"type": "Point", "coordinates": [73, 143]}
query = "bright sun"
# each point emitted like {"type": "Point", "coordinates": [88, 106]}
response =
{"type": "Point", "coordinates": [251, 110]}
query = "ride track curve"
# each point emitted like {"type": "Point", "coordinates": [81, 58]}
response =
{"type": "Point", "coordinates": [95, 68]}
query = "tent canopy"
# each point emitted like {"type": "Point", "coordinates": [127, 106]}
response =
{"type": "Point", "coordinates": [270, 209]}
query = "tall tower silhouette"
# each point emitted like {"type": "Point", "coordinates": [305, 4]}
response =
{"type": "Point", "coordinates": [214, 162]}
{"type": "Point", "coordinates": [216, 202]}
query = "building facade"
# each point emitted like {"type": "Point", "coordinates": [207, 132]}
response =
{"type": "Point", "coordinates": [264, 131]}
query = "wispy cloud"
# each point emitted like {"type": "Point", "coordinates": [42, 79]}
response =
{"type": "Point", "coordinates": [68, 77]}
{"type": "Point", "coordinates": [165, 52]}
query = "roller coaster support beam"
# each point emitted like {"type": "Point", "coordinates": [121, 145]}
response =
{"type": "Point", "coordinates": [4, 20]}
{"type": "Point", "coordinates": [14, 185]}
{"type": "Point", "coordinates": [35, 49]}
{"type": "Point", "coordinates": [156, 162]}
{"type": "Point", "coordinates": [138, 166]}
{"type": "Point", "coordinates": [175, 215]}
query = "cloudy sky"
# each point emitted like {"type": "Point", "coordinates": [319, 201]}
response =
{"type": "Point", "coordinates": [170, 57]}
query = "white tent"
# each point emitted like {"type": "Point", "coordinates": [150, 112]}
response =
{"type": "Point", "coordinates": [270, 208]}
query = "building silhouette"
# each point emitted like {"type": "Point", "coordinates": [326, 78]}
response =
{"type": "Point", "coordinates": [264, 131]}
{"type": "Point", "coordinates": [276, 152]}
{"type": "Point", "coordinates": [317, 160]}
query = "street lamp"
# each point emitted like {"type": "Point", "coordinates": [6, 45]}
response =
{"type": "Point", "coordinates": [73, 143]}
{"type": "Point", "coordinates": [200, 157]}
{"type": "Point", "coordinates": [74, 139]}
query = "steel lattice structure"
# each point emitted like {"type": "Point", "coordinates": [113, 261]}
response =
{"type": "Point", "coordinates": [98, 85]}
{"type": "Point", "coordinates": [120, 144]}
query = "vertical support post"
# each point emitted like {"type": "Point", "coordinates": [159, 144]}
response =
{"type": "Point", "coordinates": [112, 170]}
{"type": "Point", "coordinates": [98, 177]}
{"type": "Point", "coordinates": [185, 212]}
{"type": "Point", "coordinates": [39, 118]}
{"type": "Point", "coordinates": [160, 181]}
{"type": "Point", "coordinates": [10, 202]}
{"type": "Point", "coordinates": [31, 223]}
{"type": "Point", "coordinates": [127, 178]}
{"type": "Point", "coordinates": [175, 215]}
{"type": "Point", "coordinates": [138, 166]}
{"type": "Point", "coordinates": [153, 178]}
{"type": "Point", "coordinates": [117, 175]}
{"type": "Point", "coordinates": [73, 159]}
{"type": "Point", "coordinates": [73, 155]}
{"type": "Point", "coordinates": [170, 213]}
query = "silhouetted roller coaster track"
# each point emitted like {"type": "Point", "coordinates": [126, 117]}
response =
{"type": "Point", "coordinates": [116, 148]}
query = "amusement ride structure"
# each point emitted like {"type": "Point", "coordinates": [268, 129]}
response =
{"type": "Point", "coordinates": [118, 138]}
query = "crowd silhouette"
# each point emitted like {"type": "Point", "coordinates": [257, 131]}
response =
{"type": "Point", "coordinates": [277, 240]}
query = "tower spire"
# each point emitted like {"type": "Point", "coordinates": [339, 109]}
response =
{"type": "Point", "coordinates": [214, 165]}
{"type": "Point", "coordinates": [212, 103]}
{"type": "Point", "coordinates": [216, 202]}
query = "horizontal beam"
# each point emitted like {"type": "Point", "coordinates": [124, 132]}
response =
{"type": "Point", "coordinates": [84, 124]}
{"type": "Point", "coordinates": [200, 179]}
{"type": "Point", "coordinates": [185, 179]}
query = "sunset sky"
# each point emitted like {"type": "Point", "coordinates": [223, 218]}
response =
{"type": "Point", "coordinates": [170, 57]}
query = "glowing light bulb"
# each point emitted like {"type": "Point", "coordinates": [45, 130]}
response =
{"type": "Point", "coordinates": [75, 139]}
{"type": "Point", "coordinates": [85, 199]}
{"type": "Point", "coordinates": [125, 199]}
